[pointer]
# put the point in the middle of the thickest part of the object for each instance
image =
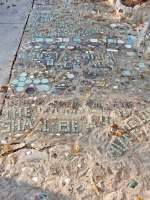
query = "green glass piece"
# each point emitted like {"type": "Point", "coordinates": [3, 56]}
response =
{"type": "Point", "coordinates": [15, 82]}
{"type": "Point", "coordinates": [32, 169]}
{"type": "Point", "coordinates": [133, 184]}
{"type": "Point", "coordinates": [69, 157]}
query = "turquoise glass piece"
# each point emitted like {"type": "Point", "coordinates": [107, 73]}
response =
{"type": "Point", "coordinates": [21, 84]}
{"type": "Point", "coordinates": [125, 72]}
{"type": "Point", "coordinates": [54, 92]}
{"type": "Point", "coordinates": [142, 65]}
{"type": "Point", "coordinates": [39, 39]}
{"type": "Point", "coordinates": [93, 12]}
{"type": "Point", "coordinates": [44, 80]}
{"type": "Point", "coordinates": [37, 47]}
{"type": "Point", "coordinates": [23, 74]}
{"type": "Point", "coordinates": [22, 79]}
{"type": "Point", "coordinates": [62, 46]}
{"type": "Point", "coordinates": [28, 81]}
{"type": "Point", "coordinates": [36, 81]}
{"type": "Point", "coordinates": [92, 32]}
{"type": "Point", "coordinates": [15, 82]}
{"type": "Point", "coordinates": [110, 41]}
{"type": "Point", "coordinates": [20, 89]}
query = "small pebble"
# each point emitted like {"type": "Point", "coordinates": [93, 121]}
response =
{"type": "Point", "coordinates": [29, 152]}
{"type": "Point", "coordinates": [79, 165]}
{"type": "Point", "coordinates": [32, 169]}
{"type": "Point", "coordinates": [55, 155]}
{"type": "Point", "coordinates": [67, 180]}
{"type": "Point", "coordinates": [35, 179]}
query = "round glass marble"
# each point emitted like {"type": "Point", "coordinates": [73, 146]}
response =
{"type": "Point", "coordinates": [23, 74]}
{"type": "Point", "coordinates": [15, 82]}
{"type": "Point", "coordinates": [28, 81]}
{"type": "Point", "coordinates": [20, 89]}
{"type": "Point", "coordinates": [36, 81]}
{"type": "Point", "coordinates": [22, 79]}
{"type": "Point", "coordinates": [44, 80]}
{"type": "Point", "coordinates": [21, 84]}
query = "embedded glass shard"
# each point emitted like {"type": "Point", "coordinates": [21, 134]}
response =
{"type": "Point", "coordinates": [42, 88]}
{"type": "Point", "coordinates": [30, 90]}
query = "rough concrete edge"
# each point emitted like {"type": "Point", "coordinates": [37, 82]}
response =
{"type": "Point", "coordinates": [2, 105]}
{"type": "Point", "coordinates": [127, 12]}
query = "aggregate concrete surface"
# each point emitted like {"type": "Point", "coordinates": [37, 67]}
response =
{"type": "Point", "coordinates": [76, 118]}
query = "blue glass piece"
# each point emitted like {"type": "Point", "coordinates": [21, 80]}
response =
{"type": "Point", "coordinates": [45, 46]}
{"type": "Point", "coordinates": [128, 31]}
{"type": "Point", "coordinates": [49, 39]}
{"type": "Point", "coordinates": [133, 37]}
{"type": "Point", "coordinates": [76, 40]}
{"type": "Point", "coordinates": [39, 39]}
{"type": "Point", "coordinates": [37, 47]}
{"type": "Point", "coordinates": [130, 42]}
{"type": "Point", "coordinates": [42, 88]}
{"type": "Point", "coordinates": [65, 39]}
{"type": "Point", "coordinates": [21, 64]}
{"type": "Point", "coordinates": [41, 196]}
{"type": "Point", "coordinates": [142, 65]}
{"type": "Point", "coordinates": [54, 92]}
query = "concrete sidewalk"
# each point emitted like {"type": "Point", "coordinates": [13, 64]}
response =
{"type": "Point", "coordinates": [13, 17]}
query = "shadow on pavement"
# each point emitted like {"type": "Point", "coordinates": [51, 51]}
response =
{"type": "Point", "coordinates": [11, 189]}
